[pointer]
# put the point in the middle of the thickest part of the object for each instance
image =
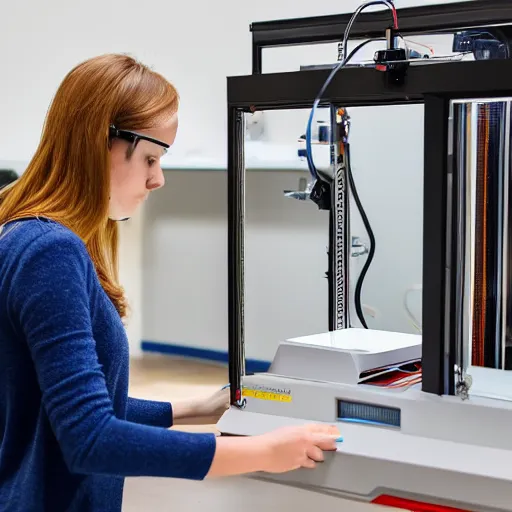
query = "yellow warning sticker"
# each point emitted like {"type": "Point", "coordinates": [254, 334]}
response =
{"type": "Point", "coordinates": [266, 395]}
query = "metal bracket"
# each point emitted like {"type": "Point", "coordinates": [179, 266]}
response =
{"type": "Point", "coordinates": [357, 243]}
{"type": "Point", "coordinates": [463, 384]}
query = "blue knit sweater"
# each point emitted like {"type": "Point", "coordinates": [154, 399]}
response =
{"type": "Point", "coordinates": [69, 433]}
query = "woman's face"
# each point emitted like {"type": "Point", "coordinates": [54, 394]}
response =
{"type": "Point", "coordinates": [135, 173]}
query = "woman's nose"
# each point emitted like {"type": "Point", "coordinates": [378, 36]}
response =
{"type": "Point", "coordinates": [157, 180]}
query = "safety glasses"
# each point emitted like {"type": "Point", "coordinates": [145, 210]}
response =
{"type": "Point", "coordinates": [134, 137]}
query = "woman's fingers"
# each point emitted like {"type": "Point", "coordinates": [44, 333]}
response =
{"type": "Point", "coordinates": [316, 454]}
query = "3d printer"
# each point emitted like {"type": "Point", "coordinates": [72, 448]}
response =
{"type": "Point", "coordinates": [442, 439]}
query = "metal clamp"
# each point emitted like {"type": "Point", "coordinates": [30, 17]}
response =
{"type": "Point", "coordinates": [464, 383]}
{"type": "Point", "coordinates": [358, 243]}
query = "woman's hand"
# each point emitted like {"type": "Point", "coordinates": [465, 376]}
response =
{"type": "Point", "coordinates": [206, 410]}
{"type": "Point", "coordinates": [282, 450]}
{"type": "Point", "coordinates": [213, 406]}
{"type": "Point", "coordinates": [297, 447]}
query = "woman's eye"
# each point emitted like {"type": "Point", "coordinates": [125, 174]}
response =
{"type": "Point", "coordinates": [151, 161]}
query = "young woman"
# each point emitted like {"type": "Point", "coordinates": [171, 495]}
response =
{"type": "Point", "coordinates": [69, 433]}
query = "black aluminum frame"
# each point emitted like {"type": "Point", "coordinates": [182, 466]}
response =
{"type": "Point", "coordinates": [434, 85]}
{"type": "Point", "coordinates": [413, 21]}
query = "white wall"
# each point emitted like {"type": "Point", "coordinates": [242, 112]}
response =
{"type": "Point", "coordinates": [184, 254]}
{"type": "Point", "coordinates": [131, 276]}
{"type": "Point", "coordinates": [196, 47]}
{"type": "Point", "coordinates": [185, 262]}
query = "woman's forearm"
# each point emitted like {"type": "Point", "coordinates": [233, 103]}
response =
{"type": "Point", "coordinates": [205, 409]}
{"type": "Point", "coordinates": [184, 411]}
{"type": "Point", "coordinates": [237, 456]}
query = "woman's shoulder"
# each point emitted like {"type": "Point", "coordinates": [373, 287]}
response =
{"type": "Point", "coordinates": [38, 234]}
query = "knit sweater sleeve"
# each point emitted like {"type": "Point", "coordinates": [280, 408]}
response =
{"type": "Point", "coordinates": [149, 412]}
{"type": "Point", "coordinates": [49, 300]}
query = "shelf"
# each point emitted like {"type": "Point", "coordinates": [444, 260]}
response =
{"type": "Point", "coordinates": [205, 165]}
{"type": "Point", "coordinates": [259, 156]}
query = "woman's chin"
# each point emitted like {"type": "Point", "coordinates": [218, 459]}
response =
{"type": "Point", "coordinates": [121, 216]}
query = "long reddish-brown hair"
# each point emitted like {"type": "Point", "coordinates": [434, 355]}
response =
{"type": "Point", "coordinates": [68, 179]}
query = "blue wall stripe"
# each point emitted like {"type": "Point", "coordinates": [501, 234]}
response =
{"type": "Point", "coordinates": [220, 356]}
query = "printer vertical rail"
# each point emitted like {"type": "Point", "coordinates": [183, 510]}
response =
{"type": "Point", "coordinates": [438, 344]}
{"type": "Point", "coordinates": [236, 186]}
{"type": "Point", "coordinates": [339, 231]}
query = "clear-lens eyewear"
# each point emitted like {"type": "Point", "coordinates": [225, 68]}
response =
{"type": "Point", "coordinates": [135, 137]}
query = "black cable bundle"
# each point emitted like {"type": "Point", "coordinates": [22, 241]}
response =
{"type": "Point", "coordinates": [368, 227]}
